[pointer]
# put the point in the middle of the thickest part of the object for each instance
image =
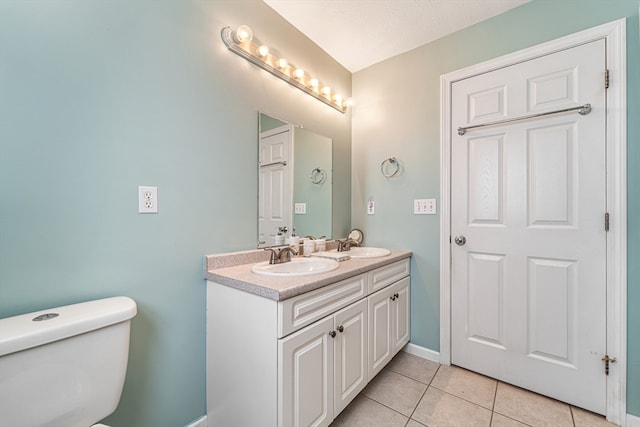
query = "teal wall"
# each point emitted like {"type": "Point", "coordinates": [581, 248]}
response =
{"type": "Point", "coordinates": [311, 151]}
{"type": "Point", "coordinates": [98, 97]}
{"type": "Point", "coordinates": [397, 114]}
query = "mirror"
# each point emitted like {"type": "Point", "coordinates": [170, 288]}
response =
{"type": "Point", "coordinates": [295, 182]}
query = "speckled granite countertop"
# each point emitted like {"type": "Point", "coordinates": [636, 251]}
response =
{"type": "Point", "coordinates": [234, 270]}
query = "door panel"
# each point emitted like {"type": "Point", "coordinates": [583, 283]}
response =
{"type": "Point", "coordinates": [380, 318]}
{"type": "Point", "coordinates": [528, 288]}
{"type": "Point", "coordinates": [401, 322]}
{"type": "Point", "coordinates": [306, 390]}
{"type": "Point", "coordinates": [350, 353]}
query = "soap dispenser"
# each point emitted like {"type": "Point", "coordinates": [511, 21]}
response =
{"type": "Point", "coordinates": [294, 240]}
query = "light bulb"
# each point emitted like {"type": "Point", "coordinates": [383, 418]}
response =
{"type": "Point", "coordinates": [326, 90]}
{"type": "Point", "coordinates": [282, 63]}
{"type": "Point", "coordinates": [313, 83]}
{"type": "Point", "coordinates": [299, 73]}
{"type": "Point", "coordinates": [348, 103]}
{"type": "Point", "coordinates": [244, 34]}
{"type": "Point", "coordinates": [263, 50]}
{"type": "Point", "coordinates": [338, 99]}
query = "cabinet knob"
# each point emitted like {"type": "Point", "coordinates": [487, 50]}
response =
{"type": "Point", "coordinates": [394, 297]}
{"type": "Point", "coordinates": [340, 328]}
{"type": "Point", "coordinates": [332, 334]}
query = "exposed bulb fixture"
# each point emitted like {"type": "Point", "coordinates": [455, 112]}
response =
{"type": "Point", "coordinates": [263, 51]}
{"type": "Point", "coordinates": [244, 34]}
{"type": "Point", "coordinates": [241, 43]}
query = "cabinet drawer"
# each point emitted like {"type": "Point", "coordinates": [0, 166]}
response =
{"type": "Point", "coordinates": [383, 276]}
{"type": "Point", "coordinates": [305, 309]}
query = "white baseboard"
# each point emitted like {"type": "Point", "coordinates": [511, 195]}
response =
{"type": "Point", "coordinates": [200, 422]}
{"type": "Point", "coordinates": [423, 352]}
{"type": "Point", "coordinates": [633, 421]}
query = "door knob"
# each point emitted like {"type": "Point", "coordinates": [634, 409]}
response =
{"type": "Point", "coordinates": [460, 240]}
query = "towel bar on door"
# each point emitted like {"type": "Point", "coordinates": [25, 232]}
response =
{"type": "Point", "coordinates": [583, 110]}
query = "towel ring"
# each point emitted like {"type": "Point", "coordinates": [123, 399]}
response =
{"type": "Point", "coordinates": [318, 176]}
{"type": "Point", "coordinates": [390, 167]}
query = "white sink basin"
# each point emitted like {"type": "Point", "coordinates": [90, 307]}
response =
{"type": "Point", "coordinates": [297, 267]}
{"type": "Point", "coordinates": [367, 252]}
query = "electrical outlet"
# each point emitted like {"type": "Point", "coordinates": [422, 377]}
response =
{"type": "Point", "coordinates": [424, 206]}
{"type": "Point", "coordinates": [371, 207]}
{"type": "Point", "coordinates": [147, 199]}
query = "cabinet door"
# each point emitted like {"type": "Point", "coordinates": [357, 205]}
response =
{"type": "Point", "coordinates": [350, 353]}
{"type": "Point", "coordinates": [305, 382]}
{"type": "Point", "coordinates": [380, 327]}
{"type": "Point", "coordinates": [400, 311]}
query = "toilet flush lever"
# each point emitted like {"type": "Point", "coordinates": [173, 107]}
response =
{"type": "Point", "coordinates": [460, 240]}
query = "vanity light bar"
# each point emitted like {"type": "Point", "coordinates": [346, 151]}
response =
{"type": "Point", "coordinates": [241, 44]}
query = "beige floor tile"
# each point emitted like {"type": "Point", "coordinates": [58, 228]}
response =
{"type": "Point", "coordinates": [501, 421]}
{"type": "Point", "coordinates": [468, 385]}
{"type": "Point", "coordinates": [364, 412]}
{"type": "Point", "coordinates": [440, 409]}
{"type": "Point", "coordinates": [531, 408]}
{"type": "Point", "coordinates": [414, 367]}
{"type": "Point", "coordinates": [583, 418]}
{"type": "Point", "coordinates": [414, 423]}
{"type": "Point", "coordinates": [395, 391]}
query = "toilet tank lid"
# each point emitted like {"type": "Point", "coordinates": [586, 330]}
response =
{"type": "Point", "coordinates": [21, 332]}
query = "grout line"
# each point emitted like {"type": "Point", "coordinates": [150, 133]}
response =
{"type": "Point", "coordinates": [493, 406]}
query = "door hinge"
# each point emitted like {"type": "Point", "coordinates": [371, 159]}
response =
{"type": "Point", "coordinates": [606, 79]}
{"type": "Point", "coordinates": [608, 360]}
{"type": "Point", "coordinates": [606, 221]}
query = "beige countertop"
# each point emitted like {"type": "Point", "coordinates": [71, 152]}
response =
{"type": "Point", "coordinates": [234, 270]}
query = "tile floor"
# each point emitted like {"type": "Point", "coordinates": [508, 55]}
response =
{"type": "Point", "coordinates": [414, 392]}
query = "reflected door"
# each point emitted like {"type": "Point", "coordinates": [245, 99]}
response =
{"type": "Point", "coordinates": [529, 285]}
{"type": "Point", "coordinates": [275, 183]}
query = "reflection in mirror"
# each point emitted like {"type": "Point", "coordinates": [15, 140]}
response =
{"type": "Point", "coordinates": [295, 182]}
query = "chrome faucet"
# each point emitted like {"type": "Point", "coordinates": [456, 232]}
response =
{"type": "Point", "coordinates": [279, 256]}
{"type": "Point", "coordinates": [345, 245]}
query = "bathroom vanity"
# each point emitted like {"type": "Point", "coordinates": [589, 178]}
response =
{"type": "Point", "coordinates": [294, 351]}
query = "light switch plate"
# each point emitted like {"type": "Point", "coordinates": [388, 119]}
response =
{"type": "Point", "coordinates": [300, 208]}
{"type": "Point", "coordinates": [424, 206]}
{"type": "Point", "coordinates": [371, 207]}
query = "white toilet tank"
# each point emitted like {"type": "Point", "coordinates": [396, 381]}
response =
{"type": "Point", "coordinates": [64, 366]}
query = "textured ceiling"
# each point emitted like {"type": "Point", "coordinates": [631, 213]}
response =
{"type": "Point", "coordinates": [360, 33]}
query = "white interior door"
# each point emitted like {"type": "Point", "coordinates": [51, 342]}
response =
{"type": "Point", "coordinates": [275, 186]}
{"type": "Point", "coordinates": [528, 288]}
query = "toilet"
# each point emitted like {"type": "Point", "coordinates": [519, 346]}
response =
{"type": "Point", "coordinates": [64, 366]}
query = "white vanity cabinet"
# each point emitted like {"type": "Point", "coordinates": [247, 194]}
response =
{"type": "Point", "coordinates": [323, 367]}
{"type": "Point", "coordinates": [300, 362]}
{"type": "Point", "coordinates": [388, 324]}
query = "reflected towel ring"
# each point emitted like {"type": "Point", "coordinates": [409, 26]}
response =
{"type": "Point", "coordinates": [318, 176]}
{"type": "Point", "coordinates": [390, 167]}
